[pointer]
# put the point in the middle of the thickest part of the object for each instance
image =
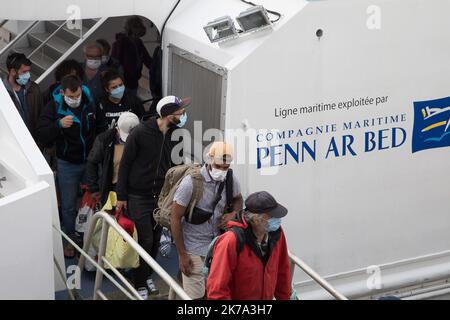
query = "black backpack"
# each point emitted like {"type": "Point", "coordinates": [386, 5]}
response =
{"type": "Point", "coordinates": [240, 238]}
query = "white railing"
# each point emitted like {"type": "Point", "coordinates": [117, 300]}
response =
{"type": "Point", "coordinates": [296, 261]}
{"type": "Point", "coordinates": [18, 37]}
{"type": "Point", "coordinates": [99, 268]}
{"type": "Point", "coordinates": [175, 289]}
{"type": "Point", "coordinates": [107, 222]}
{"type": "Point", "coordinates": [47, 39]}
{"type": "Point", "coordinates": [80, 41]}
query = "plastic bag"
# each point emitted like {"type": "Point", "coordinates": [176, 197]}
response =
{"type": "Point", "coordinates": [165, 244]}
{"type": "Point", "coordinates": [85, 213]}
{"type": "Point", "coordinates": [118, 252]}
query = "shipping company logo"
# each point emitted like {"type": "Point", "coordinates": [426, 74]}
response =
{"type": "Point", "coordinates": [431, 124]}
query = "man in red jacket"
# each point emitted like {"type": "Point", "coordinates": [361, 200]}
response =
{"type": "Point", "coordinates": [251, 262]}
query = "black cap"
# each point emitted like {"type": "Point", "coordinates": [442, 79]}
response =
{"type": "Point", "coordinates": [264, 202]}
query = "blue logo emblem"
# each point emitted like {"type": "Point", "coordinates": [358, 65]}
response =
{"type": "Point", "coordinates": [431, 124]}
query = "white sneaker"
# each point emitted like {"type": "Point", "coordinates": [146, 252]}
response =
{"type": "Point", "coordinates": [143, 292]}
{"type": "Point", "coordinates": [151, 287]}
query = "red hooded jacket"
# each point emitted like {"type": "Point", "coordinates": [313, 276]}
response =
{"type": "Point", "coordinates": [245, 275]}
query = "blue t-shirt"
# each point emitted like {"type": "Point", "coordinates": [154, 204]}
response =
{"type": "Point", "coordinates": [23, 105]}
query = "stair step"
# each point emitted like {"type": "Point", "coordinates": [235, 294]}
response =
{"type": "Point", "coordinates": [89, 23]}
{"type": "Point", "coordinates": [68, 35]}
{"type": "Point", "coordinates": [76, 32]}
{"type": "Point", "coordinates": [144, 94]}
{"type": "Point", "coordinates": [42, 61]}
{"type": "Point", "coordinates": [25, 50]}
{"type": "Point", "coordinates": [54, 42]}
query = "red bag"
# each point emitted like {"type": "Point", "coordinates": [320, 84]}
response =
{"type": "Point", "coordinates": [124, 222]}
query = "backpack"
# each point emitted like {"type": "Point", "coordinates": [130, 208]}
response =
{"type": "Point", "coordinates": [174, 176]}
{"type": "Point", "coordinates": [240, 238]}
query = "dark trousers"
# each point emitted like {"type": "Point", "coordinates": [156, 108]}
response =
{"type": "Point", "coordinates": [70, 176]}
{"type": "Point", "coordinates": [140, 210]}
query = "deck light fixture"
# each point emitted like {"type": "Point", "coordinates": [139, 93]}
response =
{"type": "Point", "coordinates": [221, 29]}
{"type": "Point", "coordinates": [255, 18]}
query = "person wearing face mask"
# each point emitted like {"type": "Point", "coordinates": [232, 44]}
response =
{"type": "Point", "coordinates": [67, 67]}
{"type": "Point", "coordinates": [108, 61]}
{"type": "Point", "coordinates": [118, 99]}
{"type": "Point", "coordinates": [24, 92]}
{"type": "Point", "coordinates": [145, 161]}
{"type": "Point", "coordinates": [129, 50]}
{"type": "Point", "coordinates": [93, 69]}
{"type": "Point", "coordinates": [211, 213]}
{"type": "Point", "coordinates": [69, 121]}
{"type": "Point", "coordinates": [106, 154]}
{"type": "Point", "coordinates": [251, 261]}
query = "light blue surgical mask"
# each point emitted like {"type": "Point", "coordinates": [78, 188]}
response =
{"type": "Point", "coordinates": [23, 78]}
{"type": "Point", "coordinates": [274, 224]}
{"type": "Point", "coordinates": [118, 92]}
{"type": "Point", "coordinates": [183, 120]}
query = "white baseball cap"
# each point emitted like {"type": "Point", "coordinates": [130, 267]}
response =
{"type": "Point", "coordinates": [170, 104]}
{"type": "Point", "coordinates": [127, 121]}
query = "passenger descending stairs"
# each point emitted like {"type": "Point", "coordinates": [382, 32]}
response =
{"type": "Point", "coordinates": [45, 42]}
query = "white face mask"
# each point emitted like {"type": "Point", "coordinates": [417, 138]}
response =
{"type": "Point", "coordinates": [217, 174]}
{"type": "Point", "coordinates": [93, 64]}
{"type": "Point", "coordinates": [73, 103]}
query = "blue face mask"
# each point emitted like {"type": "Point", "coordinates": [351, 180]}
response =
{"type": "Point", "coordinates": [23, 78]}
{"type": "Point", "coordinates": [183, 120]}
{"type": "Point", "coordinates": [118, 92]}
{"type": "Point", "coordinates": [274, 224]}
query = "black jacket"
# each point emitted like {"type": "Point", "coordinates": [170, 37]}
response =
{"type": "Point", "coordinates": [132, 54]}
{"type": "Point", "coordinates": [145, 161]}
{"type": "Point", "coordinates": [72, 144]}
{"type": "Point", "coordinates": [110, 112]}
{"type": "Point", "coordinates": [102, 153]}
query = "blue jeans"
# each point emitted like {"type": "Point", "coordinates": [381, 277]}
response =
{"type": "Point", "coordinates": [70, 176]}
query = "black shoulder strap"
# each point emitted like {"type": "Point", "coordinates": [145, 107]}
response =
{"type": "Point", "coordinates": [229, 191]}
{"type": "Point", "coordinates": [240, 237]}
{"type": "Point", "coordinates": [218, 196]}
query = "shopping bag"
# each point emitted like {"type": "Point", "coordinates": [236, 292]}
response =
{"type": "Point", "coordinates": [93, 248]}
{"type": "Point", "coordinates": [118, 252]}
{"type": "Point", "coordinates": [111, 202]}
{"type": "Point", "coordinates": [87, 208]}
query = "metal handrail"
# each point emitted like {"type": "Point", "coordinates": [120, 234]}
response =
{"type": "Point", "coordinates": [18, 37]}
{"type": "Point", "coordinates": [296, 261]}
{"type": "Point", "coordinates": [46, 40]}
{"type": "Point", "coordinates": [99, 268]}
{"type": "Point", "coordinates": [83, 37]}
{"type": "Point", "coordinates": [109, 221]}
{"type": "Point", "coordinates": [3, 22]}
